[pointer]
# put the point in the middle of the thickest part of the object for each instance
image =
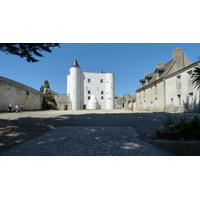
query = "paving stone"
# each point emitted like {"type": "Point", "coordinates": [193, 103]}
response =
{"type": "Point", "coordinates": [87, 141]}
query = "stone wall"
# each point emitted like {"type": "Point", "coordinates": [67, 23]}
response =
{"type": "Point", "coordinates": [119, 102]}
{"type": "Point", "coordinates": [17, 93]}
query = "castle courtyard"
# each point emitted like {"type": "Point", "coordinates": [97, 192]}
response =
{"type": "Point", "coordinates": [80, 133]}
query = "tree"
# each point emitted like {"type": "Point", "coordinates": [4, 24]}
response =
{"type": "Point", "coordinates": [196, 77]}
{"type": "Point", "coordinates": [42, 88]}
{"type": "Point", "coordinates": [27, 50]}
{"type": "Point", "coordinates": [46, 84]}
{"type": "Point", "coordinates": [49, 102]}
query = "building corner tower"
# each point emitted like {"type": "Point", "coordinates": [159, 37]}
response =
{"type": "Point", "coordinates": [74, 85]}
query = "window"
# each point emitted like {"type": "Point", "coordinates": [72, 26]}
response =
{"type": "Point", "coordinates": [172, 101]}
{"type": "Point", "coordinates": [151, 105]}
{"type": "Point", "coordinates": [179, 100]}
{"type": "Point", "coordinates": [101, 97]}
{"type": "Point", "coordinates": [101, 92]}
{"type": "Point", "coordinates": [179, 81]}
{"type": "Point", "coordinates": [156, 102]}
{"type": "Point", "coordinates": [88, 97]}
{"type": "Point", "coordinates": [101, 80]}
{"type": "Point", "coordinates": [191, 101]}
{"type": "Point", "coordinates": [88, 91]}
{"type": "Point", "coordinates": [144, 104]}
{"type": "Point", "coordinates": [190, 77]}
{"type": "Point", "coordinates": [89, 80]}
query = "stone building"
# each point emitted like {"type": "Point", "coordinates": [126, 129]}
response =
{"type": "Point", "coordinates": [130, 102]}
{"type": "Point", "coordinates": [169, 87]}
{"type": "Point", "coordinates": [88, 90]}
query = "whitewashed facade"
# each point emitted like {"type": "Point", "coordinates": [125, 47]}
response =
{"type": "Point", "coordinates": [89, 90]}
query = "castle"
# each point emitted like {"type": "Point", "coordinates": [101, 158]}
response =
{"type": "Point", "coordinates": [89, 90]}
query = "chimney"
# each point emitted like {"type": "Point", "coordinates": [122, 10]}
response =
{"type": "Point", "coordinates": [160, 65]}
{"type": "Point", "coordinates": [145, 74]}
{"type": "Point", "coordinates": [178, 57]}
{"type": "Point", "coordinates": [177, 53]}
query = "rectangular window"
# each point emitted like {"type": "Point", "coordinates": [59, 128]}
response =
{"type": "Point", "coordinates": [190, 82]}
{"type": "Point", "coordinates": [191, 101]}
{"type": "Point", "coordinates": [88, 91]}
{"type": "Point", "coordinates": [101, 97]}
{"type": "Point", "coordinates": [179, 100]}
{"type": "Point", "coordinates": [156, 102]}
{"type": "Point", "coordinates": [172, 101]}
{"type": "Point", "coordinates": [88, 97]}
{"type": "Point", "coordinates": [101, 92]}
{"type": "Point", "coordinates": [89, 80]}
{"type": "Point", "coordinates": [101, 80]}
{"type": "Point", "coordinates": [179, 81]}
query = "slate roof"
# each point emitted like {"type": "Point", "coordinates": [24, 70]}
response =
{"type": "Point", "coordinates": [75, 63]}
{"type": "Point", "coordinates": [166, 68]}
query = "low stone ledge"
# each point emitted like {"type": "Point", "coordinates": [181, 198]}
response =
{"type": "Point", "coordinates": [179, 148]}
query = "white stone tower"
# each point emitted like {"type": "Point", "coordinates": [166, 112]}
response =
{"type": "Point", "coordinates": [110, 91]}
{"type": "Point", "coordinates": [74, 86]}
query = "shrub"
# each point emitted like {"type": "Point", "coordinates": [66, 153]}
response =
{"type": "Point", "coordinates": [49, 102]}
{"type": "Point", "coordinates": [180, 127]}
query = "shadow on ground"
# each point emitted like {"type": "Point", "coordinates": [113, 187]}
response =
{"type": "Point", "coordinates": [14, 132]}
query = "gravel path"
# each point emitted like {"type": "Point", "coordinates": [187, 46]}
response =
{"type": "Point", "coordinates": [100, 132]}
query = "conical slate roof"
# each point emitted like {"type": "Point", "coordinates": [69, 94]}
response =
{"type": "Point", "coordinates": [75, 63]}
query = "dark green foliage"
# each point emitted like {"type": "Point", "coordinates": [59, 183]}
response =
{"type": "Point", "coordinates": [46, 84]}
{"type": "Point", "coordinates": [42, 88]}
{"type": "Point", "coordinates": [27, 50]}
{"type": "Point", "coordinates": [180, 127]}
{"type": "Point", "coordinates": [49, 102]}
{"type": "Point", "coordinates": [196, 77]}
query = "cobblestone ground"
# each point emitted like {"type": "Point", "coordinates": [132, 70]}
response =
{"type": "Point", "coordinates": [87, 141]}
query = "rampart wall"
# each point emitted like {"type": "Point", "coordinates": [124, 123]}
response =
{"type": "Point", "coordinates": [17, 93]}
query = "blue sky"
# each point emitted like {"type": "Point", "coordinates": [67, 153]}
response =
{"type": "Point", "coordinates": [128, 61]}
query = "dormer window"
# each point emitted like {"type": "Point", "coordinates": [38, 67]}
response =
{"type": "Point", "coordinates": [148, 78]}
{"type": "Point", "coordinates": [142, 82]}
{"type": "Point", "coordinates": [159, 72]}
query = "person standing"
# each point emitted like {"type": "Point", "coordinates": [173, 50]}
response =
{"type": "Point", "coordinates": [16, 107]}
{"type": "Point", "coordinates": [22, 107]}
{"type": "Point", "coordinates": [9, 107]}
